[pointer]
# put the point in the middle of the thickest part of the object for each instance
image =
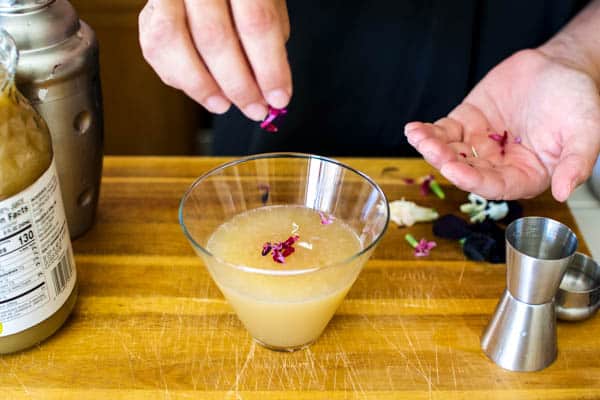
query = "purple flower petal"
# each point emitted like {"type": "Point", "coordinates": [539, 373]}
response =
{"type": "Point", "coordinates": [274, 116]}
{"type": "Point", "coordinates": [280, 250]}
{"type": "Point", "coordinates": [290, 241]}
{"type": "Point", "coordinates": [287, 251]}
{"type": "Point", "coordinates": [518, 140]}
{"type": "Point", "coordinates": [504, 139]}
{"type": "Point", "coordinates": [266, 249]}
{"type": "Point", "coordinates": [278, 257]}
{"type": "Point", "coordinates": [264, 197]}
{"type": "Point", "coordinates": [495, 137]}
{"type": "Point", "coordinates": [326, 219]}
{"type": "Point", "coordinates": [425, 188]}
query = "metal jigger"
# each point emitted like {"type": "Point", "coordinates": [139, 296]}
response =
{"type": "Point", "coordinates": [521, 335]}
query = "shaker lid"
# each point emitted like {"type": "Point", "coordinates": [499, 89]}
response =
{"type": "Point", "coordinates": [22, 5]}
{"type": "Point", "coordinates": [36, 24]}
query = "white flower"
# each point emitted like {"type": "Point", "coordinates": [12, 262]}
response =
{"type": "Point", "coordinates": [479, 209]}
{"type": "Point", "coordinates": [407, 213]}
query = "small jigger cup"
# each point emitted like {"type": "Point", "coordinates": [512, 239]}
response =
{"type": "Point", "coordinates": [521, 335]}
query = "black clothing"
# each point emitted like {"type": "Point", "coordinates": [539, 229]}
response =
{"type": "Point", "coordinates": [363, 69]}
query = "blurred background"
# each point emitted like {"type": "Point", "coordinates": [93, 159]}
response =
{"type": "Point", "coordinates": [141, 114]}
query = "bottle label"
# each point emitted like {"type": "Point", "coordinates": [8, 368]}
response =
{"type": "Point", "coordinates": [37, 269]}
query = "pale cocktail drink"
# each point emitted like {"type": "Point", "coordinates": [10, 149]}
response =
{"type": "Point", "coordinates": [284, 302]}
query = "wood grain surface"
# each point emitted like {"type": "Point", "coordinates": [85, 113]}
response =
{"type": "Point", "coordinates": [150, 323]}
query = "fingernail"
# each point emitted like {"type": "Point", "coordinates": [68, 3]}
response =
{"type": "Point", "coordinates": [278, 98]}
{"type": "Point", "coordinates": [217, 104]}
{"type": "Point", "coordinates": [256, 111]}
{"type": "Point", "coordinates": [410, 127]}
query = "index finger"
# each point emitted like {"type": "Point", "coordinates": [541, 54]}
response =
{"type": "Point", "coordinates": [261, 30]}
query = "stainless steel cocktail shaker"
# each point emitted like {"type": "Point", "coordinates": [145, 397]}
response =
{"type": "Point", "coordinates": [58, 72]}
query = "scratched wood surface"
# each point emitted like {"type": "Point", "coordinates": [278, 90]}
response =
{"type": "Point", "coordinates": [149, 322]}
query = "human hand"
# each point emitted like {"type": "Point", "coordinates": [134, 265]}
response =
{"type": "Point", "coordinates": [220, 51]}
{"type": "Point", "coordinates": [551, 106]}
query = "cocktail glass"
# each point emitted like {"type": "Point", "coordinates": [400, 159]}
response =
{"type": "Point", "coordinates": [285, 309]}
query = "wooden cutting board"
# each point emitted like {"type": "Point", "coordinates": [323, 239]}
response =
{"type": "Point", "coordinates": [150, 323]}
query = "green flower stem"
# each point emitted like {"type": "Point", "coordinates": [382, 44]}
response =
{"type": "Point", "coordinates": [411, 240]}
{"type": "Point", "coordinates": [435, 188]}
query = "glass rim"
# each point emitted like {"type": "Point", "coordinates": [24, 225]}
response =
{"type": "Point", "coordinates": [275, 155]}
{"type": "Point", "coordinates": [510, 234]}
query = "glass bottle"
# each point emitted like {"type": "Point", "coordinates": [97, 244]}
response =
{"type": "Point", "coordinates": [38, 280]}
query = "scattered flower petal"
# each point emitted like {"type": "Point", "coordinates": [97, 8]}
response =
{"type": "Point", "coordinates": [408, 181]}
{"type": "Point", "coordinates": [326, 219]}
{"type": "Point", "coordinates": [425, 187]}
{"type": "Point", "coordinates": [501, 139]}
{"type": "Point", "coordinates": [407, 213]}
{"type": "Point", "coordinates": [464, 155]}
{"type": "Point", "coordinates": [264, 197]}
{"type": "Point", "coordinates": [518, 140]}
{"type": "Point", "coordinates": [274, 115]}
{"type": "Point", "coordinates": [504, 139]}
{"type": "Point", "coordinates": [278, 257]}
{"type": "Point", "coordinates": [266, 249]}
{"type": "Point", "coordinates": [496, 137]}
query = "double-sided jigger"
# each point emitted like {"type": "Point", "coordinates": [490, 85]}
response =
{"type": "Point", "coordinates": [521, 336]}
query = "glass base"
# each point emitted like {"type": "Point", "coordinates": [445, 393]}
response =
{"type": "Point", "coordinates": [284, 349]}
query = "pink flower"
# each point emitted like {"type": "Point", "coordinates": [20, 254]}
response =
{"type": "Point", "coordinates": [326, 219]}
{"type": "Point", "coordinates": [273, 116]}
{"type": "Point", "coordinates": [423, 248]}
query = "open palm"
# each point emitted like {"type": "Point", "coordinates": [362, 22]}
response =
{"type": "Point", "coordinates": [551, 112]}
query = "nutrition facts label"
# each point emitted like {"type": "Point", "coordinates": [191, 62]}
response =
{"type": "Point", "coordinates": [37, 272]}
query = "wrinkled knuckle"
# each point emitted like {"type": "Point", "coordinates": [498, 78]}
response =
{"type": "Point", "coordinates": [257, 19]}
{"type": "Point", "coordinates": [156, 35]}
{"type": "Point", "coordinates": [211, 34]}
{"type": "Point", "coordinates": [197, 87]}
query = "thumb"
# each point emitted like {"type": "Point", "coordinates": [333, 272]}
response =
{"type": "Point", "coordinates": [571, 171]}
